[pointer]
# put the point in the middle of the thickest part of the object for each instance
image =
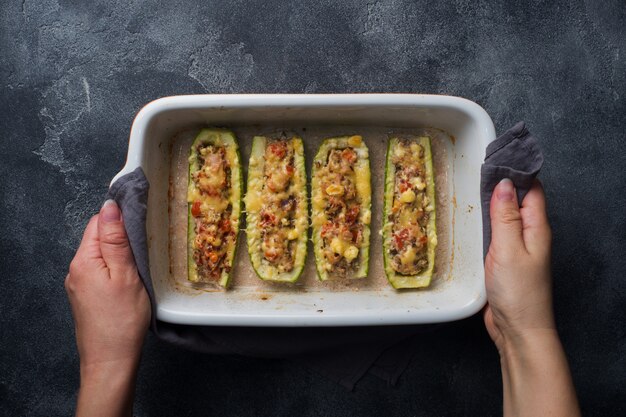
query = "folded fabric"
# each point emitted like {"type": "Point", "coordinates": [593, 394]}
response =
{"type": "Point", "coordinates": [514, 155]}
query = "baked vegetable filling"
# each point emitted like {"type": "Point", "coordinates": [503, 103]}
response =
{"type": "Point", "coordinates": [410, 211]}
{"type": "Point", "coordinates": [213, 208]}
{"type": "Point", "coordinates": [341, 203]}
{"type": "Point", "coordinates": [409, 234]}
{"type": "Point", "coordinates": [277, 215]}
{"type": "Point", "coordinates": [277, 208]}
{"type": "Point", "coordinates": [211, 213]}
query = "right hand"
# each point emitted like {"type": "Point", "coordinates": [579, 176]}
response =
{"type": "Point", "coordinates": [517, 267]}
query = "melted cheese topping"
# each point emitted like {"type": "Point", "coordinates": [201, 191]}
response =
{"type": "Point", "coordinates": [341, 199]}
{"type": "Point", "coordinates": [209, 197]}
{"type": "Point", "coordinates": [276, 206]}
{"type": "Point", "coordinates": [410, 210]}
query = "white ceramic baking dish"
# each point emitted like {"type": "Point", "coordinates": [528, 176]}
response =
{"type": "Point", "coordinates": [459, 295]}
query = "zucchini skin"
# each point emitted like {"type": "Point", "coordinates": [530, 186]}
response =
{"type": "Point", "coordinates": [216, 137]}
{"type": "Point", "coordinates": [253, 201]}
{"type": "Point", "coordinates": [364, 192]}
{"type": "Point", "coordinates": [424, 278]}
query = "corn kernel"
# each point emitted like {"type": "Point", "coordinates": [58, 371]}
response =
{"type": "Point", "coordinates": [350, 253]}
{"type": "Point", "coordinates": [355, 140]}
{"type": "Point", "coordinates": [335, 189]}
{"type": "Point", "coordinates": [407, 197]}
{"type": "Point", "coordinates": [337, 245]}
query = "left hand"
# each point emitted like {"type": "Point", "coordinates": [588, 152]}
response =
{"type": "Point", "coordinates": [110, 306]}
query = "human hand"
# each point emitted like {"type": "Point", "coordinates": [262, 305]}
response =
{"type": "Point", "coordinates": [111, 312]}
{"type": "Point", "coordinates": [517, 267]}
{"type": "Point", "coordinates": [519, 318]}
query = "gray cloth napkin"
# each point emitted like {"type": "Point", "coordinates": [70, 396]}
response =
{"type": "Point", "coordinates": [514, 155]}
{"type": "Point", "coordinates": [343, 354]}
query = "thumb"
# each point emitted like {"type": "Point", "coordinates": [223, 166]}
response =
{"type": "Point", "coordinates": [506, 220]}
{"type": "Point", "coordinates": [113, 239]}
{"type": "Point", "coordinates": [537, 234]}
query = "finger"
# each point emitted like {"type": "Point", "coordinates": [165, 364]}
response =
{"type": "Point", "coordinates": [506, 221]}
{"type": "Point", "coordinates": [536, 228]}
{"type": "Point", "coordinates": [90, 246]}
{"type": "Point", "coordinates": [114, 244]}
{"type": "Point", "coordinates": [88, 255]}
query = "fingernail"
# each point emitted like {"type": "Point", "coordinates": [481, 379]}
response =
{"type": "Point", "coordinates": [506, 191]}
{"type": "Point", "coordinates": [110, 212]}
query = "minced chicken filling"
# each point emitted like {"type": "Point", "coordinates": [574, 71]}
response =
{"type": "Point", "coordinates": [211, 210]}
{"type": "Point", "coordinates": [410, 211]}
{"type": "Point", "coordinates": [280, 203]}
{"type": "Point", "coordinates": [342, 232]}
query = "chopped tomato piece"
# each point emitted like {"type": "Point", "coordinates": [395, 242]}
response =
{"type": "Point", "coordinates": [267, 219]}
{"type": "Point", "coordinates": [278, 149]}
{"type": "Point", "coordinates": [271, 255]}
{"type": "Point", "coordinates": [403, 186]}
{"type": "Point", "coordinates": [290, 169]}
{"type": "Point", "coordinates": [349, 155]}
{"type": "Point", "coordinates": [195, 209]}
{"type": "Point", "coordinates": [214, 257]}
{"type": "Point", "coordinates": [225, 225]}
{"type": "Point", "coordinates": [400, 238]}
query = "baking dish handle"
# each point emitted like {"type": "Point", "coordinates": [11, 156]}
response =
{"type": "Point", "coordinates": [127, 169]}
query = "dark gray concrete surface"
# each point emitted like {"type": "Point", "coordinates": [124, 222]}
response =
{"type": "Point", "coordinates": [74, 73]}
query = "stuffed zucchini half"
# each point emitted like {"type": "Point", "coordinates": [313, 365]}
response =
{"type": "Point", "coordinates": [409, 230]}
{"type": "Point", "coordinates": [214, 201]}
{"type": "Point", "coordinates": [341, 208]}
{"type": "Point", "coordinates": [277, 208]}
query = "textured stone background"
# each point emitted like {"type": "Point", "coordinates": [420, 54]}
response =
{"type": "Point", "coordinates": [74, 73]}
